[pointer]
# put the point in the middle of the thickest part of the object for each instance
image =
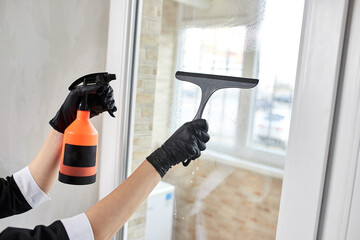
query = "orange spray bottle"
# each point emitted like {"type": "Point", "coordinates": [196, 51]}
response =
{"type": "Point", "coordinates": [80, 144]}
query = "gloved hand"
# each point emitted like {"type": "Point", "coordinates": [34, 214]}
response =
{"type": "Point", "coordinates": [186, 143]}
{"type": "Point", "coordinates": [100, 99]}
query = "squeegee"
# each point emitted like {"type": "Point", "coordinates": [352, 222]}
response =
{"type": "Point", "coordinates": [210, 83]}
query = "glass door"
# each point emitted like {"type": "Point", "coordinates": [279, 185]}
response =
{"type": "Point", "coordinates": [233, 190]}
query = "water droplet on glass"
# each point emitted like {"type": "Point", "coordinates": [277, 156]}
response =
{"type": "Point", "coordinates": [191, 181]}
{"type": "Point", "coordinates": [192, 172]}
{"type": "Point", "coordinates": [183, 217]}
{"type": "Point", "coordinates": [197, 168]}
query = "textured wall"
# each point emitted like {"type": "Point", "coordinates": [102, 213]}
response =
{"type": "Point", "coordinates": [145, 97]}
{"type": "Point", "coordinates": [165, 73]}
{"type": "Point", "coordinates": [146, 82]}
{"type": "Point", "coordinates": [44, 46]}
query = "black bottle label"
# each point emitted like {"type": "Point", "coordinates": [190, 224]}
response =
{"type": "Point", "coordinates": [79, 156]}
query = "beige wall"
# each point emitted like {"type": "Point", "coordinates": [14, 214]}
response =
{"type": "Point", "coordinates": [44, 47]}
{"type": "Point", "coordinates": [165, 73]}
{"type": "Point", "coordinates": [146, 82]}
{"type": "Point", "coordinates": [145, 97]}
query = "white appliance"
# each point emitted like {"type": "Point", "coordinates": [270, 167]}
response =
{"type": "Point", "coordinates": [160, 209]}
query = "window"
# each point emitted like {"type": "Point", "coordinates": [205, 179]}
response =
{"type": "Point", "coordinates": [236, 183]}
{"type": "Point", "coordinates": [245, 124]}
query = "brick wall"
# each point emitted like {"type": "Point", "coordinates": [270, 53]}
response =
{"type": "Point", "coordinates": [165, 72]}
{"type": "Point", "coordinates": [145, 97]}
{"type": "Point", "coordinates": [146, 82]}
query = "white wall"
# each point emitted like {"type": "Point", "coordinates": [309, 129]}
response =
{"type": "Point", "coordinates": [44, 46]}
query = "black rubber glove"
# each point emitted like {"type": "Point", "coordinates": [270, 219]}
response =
{"type": "Point", "coordinates": [100, 99]}
{"type": "Point", "coordinates": [186, 143]}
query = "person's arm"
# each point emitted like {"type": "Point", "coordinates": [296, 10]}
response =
{"type": "Point", "coordinates": [109, 214]}
{"type": "Point", "coordinates": [29, 187]}
{"type": "Point", "coordinates": [55, 231]}
{"type": "Point", "coordinates": [44, 167]}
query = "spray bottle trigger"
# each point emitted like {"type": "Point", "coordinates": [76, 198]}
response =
{"type": "Point", "coordinates": [186, 162]}
{"type": "Point", "coordinates": [100, 79]}
{"type": "Point", "coordinates": [111, 113]}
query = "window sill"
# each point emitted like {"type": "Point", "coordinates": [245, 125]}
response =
{"type": "Point", "coordinates": [244, 164]}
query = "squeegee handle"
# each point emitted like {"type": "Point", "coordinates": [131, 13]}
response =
{"type": "Point", "coordinates": [197, 116]}
{"type": "Point", "coordinates": [205, 95]}
{"type": "Point", "coordinates": [186, 162]}
{"type": "Point", "coordinates": [201, 108]}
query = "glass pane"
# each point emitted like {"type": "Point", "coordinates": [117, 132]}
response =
{"type": "Point", "coordinates": [233, 190]}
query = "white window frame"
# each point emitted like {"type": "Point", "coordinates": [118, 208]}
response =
{"type": "Point", "coordinates": [312, 118]}
{"type": "Point", "coordinates": [116, 134]}
{"type": "Point", "coordinates": [312, 111]}
{"type": "Point", "coordinates": [340, 213]}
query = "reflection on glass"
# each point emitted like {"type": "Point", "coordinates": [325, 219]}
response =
{"type": "Point", "coordinates": [277, 67]}
{"type": "Point", "coordinates": [219, 51]}
{"type": "Point", "coordinates": [233, 191]}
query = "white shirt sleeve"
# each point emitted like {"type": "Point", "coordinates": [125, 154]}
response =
{"type": "Point", "coordinates": [78, 227]}
{"type": "Point", "coordinates": [29, 188]}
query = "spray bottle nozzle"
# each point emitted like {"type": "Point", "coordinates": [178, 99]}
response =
{"type": "Point", "coordinates": [100, 79]}
{"type": "Point", "coordinates": [111, 77]}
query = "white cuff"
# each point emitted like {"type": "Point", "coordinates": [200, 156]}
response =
{"type": "Point", "coordinates": [78, 227]}
{"type": "Point", "coordinates": [29, 188]}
